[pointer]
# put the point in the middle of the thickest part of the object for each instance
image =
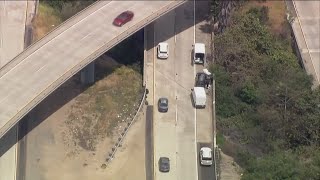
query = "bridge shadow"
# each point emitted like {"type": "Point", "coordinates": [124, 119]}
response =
{"type": "Point", "coordinates": [60, 97]}
{"type": "Point", "coordinates": [187, 11]}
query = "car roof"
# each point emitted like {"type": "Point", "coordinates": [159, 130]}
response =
{"type": "Point", "coordinates": [206, 152]}
{"type": "Point", "coordinates": [125, 14]}
{"type": "Point", "coordinates": [163, 46]}
{"type": "Point", "coordinates": [199, 48]}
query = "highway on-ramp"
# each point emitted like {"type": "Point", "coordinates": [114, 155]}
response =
{"type": "Point", "coordinates": [43, 67]}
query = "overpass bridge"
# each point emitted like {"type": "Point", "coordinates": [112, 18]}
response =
{"type": "Point", "coordinates": [35, 73]}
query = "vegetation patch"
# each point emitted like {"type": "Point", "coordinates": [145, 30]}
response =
{"type": "Point", "coordinates": [266, 109]}
{"type": "Point", "coordinates": [46, 20]}
{"type": "Point", "coordinates": [52, 13]}
{"type": "Point", "coordinates": [108, 104]}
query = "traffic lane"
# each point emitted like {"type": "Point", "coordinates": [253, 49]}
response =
{"type": "Point", "coordinates": [164, 124]}
{"type": "Point", "coordinates": [186, 137]}
{"type": "Point", "coordinates": [165, 147]}
{"type": "Point", "coordinates": [149, 143]}
{"type": "Point", "coordinates": [164, 128]}
{"type": "Point", "coordinates": [186, 123]}
{"type": "Point", "coordinates": [204, 121]}
{"type": "Point", "coordinates": [164, 32]}
{"type": "Point", "coordinates": [184, 41]}
{"type": "Point", "coordinates": [205, 172]}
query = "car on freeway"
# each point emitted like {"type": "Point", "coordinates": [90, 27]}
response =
{"type": "Point", "coordinates": [163, 50]}
{"type": "Point", "coordinates": [164, 164]}
{"type": "Point", "coordinates": [123, 18]}
{"type": "Point", "coordinates": [205, 156]}
{"type": "Point", "coordinates": [163, 104]}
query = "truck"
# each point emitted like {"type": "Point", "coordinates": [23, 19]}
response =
{"type": "Point", "coordinates": [199, 51]}
{"type": "Point", "coordinates": [199, 97]}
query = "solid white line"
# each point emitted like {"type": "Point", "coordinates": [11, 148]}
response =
{"type": "Point", "coordinates": [194, 74]}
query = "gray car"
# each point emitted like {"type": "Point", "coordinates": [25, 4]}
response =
{"type": "Point", "coordinates": [163, 104]}
{"type": "Point", "coordinates": [164, 164]}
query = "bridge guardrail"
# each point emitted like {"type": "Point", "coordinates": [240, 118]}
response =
{"type": "Point", "coordinates": [126, 129]}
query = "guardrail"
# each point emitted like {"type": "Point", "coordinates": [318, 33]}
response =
{"type": "Point", "coordinates": [213, 95]}
{"type": "Point", "coordinates": [125, 131]}
{"type": "Point", "coordinates": [63, 78]}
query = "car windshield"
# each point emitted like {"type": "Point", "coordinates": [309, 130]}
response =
{"type": "Point", "coordinates": [164, 161]}
{"type": "Point", "coordinates": [163, 104]}
{"type": "Point", "coordinates": [163, 49]}
{"type": "Point", "coordinates": [207, 158]}
{"type": "Point", "coordinates": [199, 56]}
{"type": "Point", "coordinates": [123, 16]}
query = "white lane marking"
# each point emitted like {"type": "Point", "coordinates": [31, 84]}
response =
{"type": "Point", "coordinates": [194, 74]}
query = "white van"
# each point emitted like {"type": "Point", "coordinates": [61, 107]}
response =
{"type": "Point", "coordinates": [205, 156]}
{"type": "Point", "coordinates": [199, 97]}
{"type": "Point", "coordinates": [199, 51]}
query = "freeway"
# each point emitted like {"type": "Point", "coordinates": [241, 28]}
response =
{"type": "Point", "coordinates": [175, 132]}
{"type": "Point", "coordinates": [34, 74]}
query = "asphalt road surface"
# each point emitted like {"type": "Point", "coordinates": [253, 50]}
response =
{"type": "Point", "coordinates": [205, 172]}
{"type": "Point", "coordinates": [149, 143]}
{"type": "Point", "coordinates": [175, 132]}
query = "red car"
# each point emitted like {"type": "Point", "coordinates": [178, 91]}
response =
{"type": "Point", "coordinates": [123, 18]}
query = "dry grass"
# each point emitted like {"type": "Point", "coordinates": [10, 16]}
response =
{"type": "Point", "coordinates": [46, 20]}
{"type": "Point", "coordinates": [277, 13]}
{"type": "Point", "coordinates": [104, 107]}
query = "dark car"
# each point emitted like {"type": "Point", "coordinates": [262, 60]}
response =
{"type": "Point", "coordinates": [201, 79]}
{"type": "Point", "coordinates": [163, 104]}
{"type": "Point", "coordinates": [123, 18]}
{"type": "Point", "coordinates": [164, 164]}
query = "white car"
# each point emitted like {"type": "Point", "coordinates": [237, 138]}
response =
{"type": "Point", "coordinates": [205, 156]}
{"type": "Point", "coordinates": [163, 50]}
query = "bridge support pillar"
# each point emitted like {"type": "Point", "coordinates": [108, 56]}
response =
{"type": "Point", "coordinates": [87, 74]}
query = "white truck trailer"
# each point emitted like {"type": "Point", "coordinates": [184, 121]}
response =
{"type": "Point", "coordinates": [199, 97]}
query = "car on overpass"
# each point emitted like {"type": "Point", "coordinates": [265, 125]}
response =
{"type": "Point", "coordinates": [163, 50]}
{"type": "Point", "coordinates": [123, 18]}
